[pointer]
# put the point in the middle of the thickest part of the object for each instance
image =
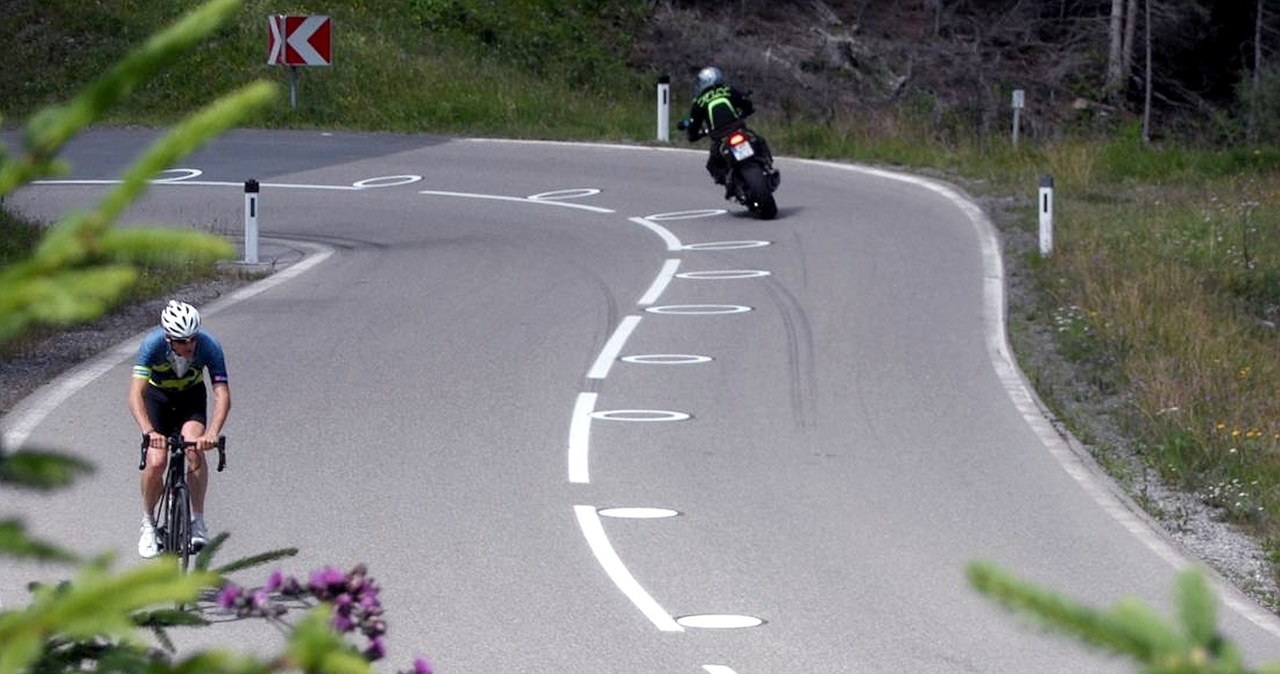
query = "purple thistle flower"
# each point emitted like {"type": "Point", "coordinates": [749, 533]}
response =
{"type": "Point", "coordinates": [276, 581]}
{"type": "Point", "coordinates": [342, 623]}
{"type": "Point", "coordinates": [229, 595]}
{"type": "Point", "coordinates": [376, 650]}
{"type": "Point", "coordinates": [322, 581]}
{"type": "Point", "coordinates": [421, 666]}
{"type": "Point", "coordinates": [259, 600]}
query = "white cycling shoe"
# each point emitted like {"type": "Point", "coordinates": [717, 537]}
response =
{"type": "Point", "coordinates": [199, 535]}
{"type": "Point", "coordinates": [148, 546]}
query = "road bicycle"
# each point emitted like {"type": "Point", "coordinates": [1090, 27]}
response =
{"type": "Point", "coordinates": [172, 515]}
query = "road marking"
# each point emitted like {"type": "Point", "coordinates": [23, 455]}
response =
{"type": "Point", "coordinates": [638, 513]}
{"type": "Point", "coordinates": [187, 174]}
{"type": "Point", "coordinates": [719, 621]}
{"type": "Point", "coordinates": [580, 438]}
{"type": "Point", "coordinates": [527, 200]}
{"type": "Point", "coordinates": [613, 347]}
{"type": "Point", "coordinates": [726, 245]}
{"type": "Point", "coordinates": [727, 274]}
{"type": "Point", "coordinates": [667, 359]}
{"type": "Point", "coordinates": [660, 282]}
{"type": "Point", "coordinates": [699, 309]}
{"type": "Point", "coordinates": [641, 415]}
{"type": "Point", "coordinates": [686, 215]}
{"type": "Point", "coordinates": [593, 530]}
{"type": "Point", "coordinates": [718, 669]}
{"type": "Point", "coordinates": [672, 241]}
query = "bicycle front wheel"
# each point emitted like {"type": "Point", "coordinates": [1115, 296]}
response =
{"type": "Point", "coordinates": [178, 536]}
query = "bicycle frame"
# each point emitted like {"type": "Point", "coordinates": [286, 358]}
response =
{"type": "Point", "coordinates": [173, 511]}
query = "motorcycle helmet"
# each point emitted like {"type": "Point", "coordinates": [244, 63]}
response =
{"type": "Point", "coordinates": [179, 320]}
{"type": "Point", "coordinates": [709, 77]}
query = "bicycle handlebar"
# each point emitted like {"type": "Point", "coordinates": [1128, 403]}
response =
{"type": "Point", "coordinates": [177, 445]}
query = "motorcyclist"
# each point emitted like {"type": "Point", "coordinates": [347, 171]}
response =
{"type": "Point", "coordinates": [718, 109]}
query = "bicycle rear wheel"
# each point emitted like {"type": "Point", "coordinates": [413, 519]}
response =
{"type": "Point", "coordinates": [178, 525]}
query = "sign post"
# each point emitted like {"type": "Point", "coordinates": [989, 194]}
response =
{"type": "Point", "coordinates": [1046, 215]}
{"type": "Point", "coordinates": [299, 41]}
{"type": "Point", "coordinates": [664, 108]}
{"type": "Point", "coordinates": [251, 221]}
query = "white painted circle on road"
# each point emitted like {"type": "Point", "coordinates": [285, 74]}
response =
{"type": "Point", "coordinates": [640, 415]}
{"type": "Point", "coordinates": [699, 309]}
{"type": "Point", "coordinates": [726, 245]}
{"type": "Point", "coordinates": [724, 275]}
{"type": "Point", "coordinates": [565, 194]}
{"type": "Point", "coordinates": [638, 513]}
{"type": "Point", "coordinates": [385, 181]}
{"type": "Point", "coordinates": [686, 215]}
{"type": "Point", "coordinates": [667, 359]}
{"type": "Point", "coordinates": [719, 621]}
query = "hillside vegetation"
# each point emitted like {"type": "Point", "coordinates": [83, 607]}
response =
{"type": "Point", "coordinates": [1164, 289]}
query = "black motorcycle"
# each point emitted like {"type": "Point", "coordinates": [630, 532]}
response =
{"type": "Point", "coordinates": [751, 179]}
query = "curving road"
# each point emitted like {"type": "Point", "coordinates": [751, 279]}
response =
{"type": "Point", "coordinates": [577, 417]}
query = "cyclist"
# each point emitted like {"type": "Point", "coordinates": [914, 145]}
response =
{"type": "Point", "coordinates": [167, 395]}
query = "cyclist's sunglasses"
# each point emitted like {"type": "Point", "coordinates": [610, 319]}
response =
{"type": "Point", "coordinates": [182, 342]}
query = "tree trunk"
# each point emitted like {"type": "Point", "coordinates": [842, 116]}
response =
{"type": "Point", "coordinates": [1257, 75]}
{"type": "Point", "coordinates": [1146, 105]}
{"type": "Point", "coordinates": [1130, 29]}
{"type": "Point", "coordinates": [1115, 67]}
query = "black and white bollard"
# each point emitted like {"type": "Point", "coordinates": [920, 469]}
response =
{"type": "Point", "coordinates": [664, 109]}
{"type": "Point", "coordinates": [251, 222]}
{"type": "Point", "coordinates": [1046, 215]}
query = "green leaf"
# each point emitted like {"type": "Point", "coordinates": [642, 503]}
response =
{"type": "Point", "coordinates": [41, 470]}
{"type": "Point", "coordinates": [256, 560]}
{"type": "Point", "coordinates": [1197, 607]}
{"type": "Point", "coordinates": [164, 247]}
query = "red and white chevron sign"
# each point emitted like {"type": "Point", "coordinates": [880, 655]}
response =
{"type": "Point", "coordinates": [299, 40]}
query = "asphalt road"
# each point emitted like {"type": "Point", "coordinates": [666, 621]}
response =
{"type": "Point", "coordinates": [577, 417]}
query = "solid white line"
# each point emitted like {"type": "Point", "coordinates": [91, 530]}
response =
{"type": "Point", "coordinates": [718, 669]}
{"type": "Point", "coordinates": [525, 200]}
{"type": "Point", "coordinates": [660, 283]}
{"type": "Point", "coordinates": [593, 530]}
{"type": "Point", "coordinates": [673, 243]}
{"type": "Point", "coordinates": [613, 347]}
{"type": "Point", "coordinates": [580, 438]}
{"type": "Point", "coordinates": [32, 410]}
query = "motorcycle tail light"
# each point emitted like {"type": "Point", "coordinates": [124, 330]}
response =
{"type": "Point", "coordinates": [737, 139]}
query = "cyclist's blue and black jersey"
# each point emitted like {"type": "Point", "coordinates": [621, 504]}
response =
{"type": "Point", "coordinates": [162, 369]}
{"type": "Point", "coordinates": [175, 391]}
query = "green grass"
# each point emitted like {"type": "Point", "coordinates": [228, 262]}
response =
{"type": "Point", "coordinates": [1166, 263]}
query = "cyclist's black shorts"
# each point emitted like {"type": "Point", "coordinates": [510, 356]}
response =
{"type": "Point", "coordinates": [169, 410]}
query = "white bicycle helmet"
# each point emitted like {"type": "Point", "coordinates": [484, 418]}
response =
{"type": "Point", "coordinates": [709, 77]}
{"type": "Point", "coordinates": [179, 320]}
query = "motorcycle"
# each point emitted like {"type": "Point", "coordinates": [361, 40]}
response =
{"type": "Point", "coordinates": [751, 178]}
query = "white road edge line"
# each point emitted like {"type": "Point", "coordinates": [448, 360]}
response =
{"type": "Point", "coordinates": [34, 408]}
{"type": "Point", "coordinates": [593, 530]}
{"type": "Point", "coordinates": [1064, 448]}
{"type": "Point", "coordinates": [660, 282]}
{"type": "Point", "coordinates": [613, 347]}
{"type": "Point", "coordinates": [580, 438]}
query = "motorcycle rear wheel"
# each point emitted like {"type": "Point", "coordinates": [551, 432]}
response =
{"type": "Point", "coordinates": [755, 185]}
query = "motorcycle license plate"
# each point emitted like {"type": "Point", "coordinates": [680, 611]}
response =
{"type": "Point", "coordinates": [742, 151]}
